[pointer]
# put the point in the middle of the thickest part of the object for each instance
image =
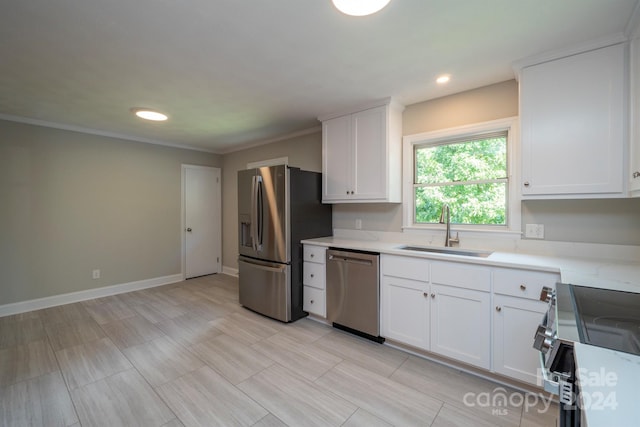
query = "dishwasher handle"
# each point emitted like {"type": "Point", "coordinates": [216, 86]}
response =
{"type": "Point", "coordinates": [350, 260]}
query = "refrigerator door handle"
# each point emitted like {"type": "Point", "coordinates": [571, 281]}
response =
{"type": "Point", "coordinates": [256, 211]}
{"type": "Point", "coordinates": [268, 266]}
{"type": "Point", "coordinates": [260, 214]}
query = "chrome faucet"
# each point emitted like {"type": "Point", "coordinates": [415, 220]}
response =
{"type": "Point", "coordinates": [448, 240]}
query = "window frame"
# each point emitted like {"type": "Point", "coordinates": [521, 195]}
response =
{"type": "Point", "coordinates": [472, 131]}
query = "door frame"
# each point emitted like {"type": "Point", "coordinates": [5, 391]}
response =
{"type": "Point", "coordinates": [218, 225]}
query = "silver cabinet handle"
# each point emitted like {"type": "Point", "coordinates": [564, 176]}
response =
{"type": "Point", "coordinates": [523, 287]}
{"type": "Point", "coordinates": [636, 174]}
{"type": "Point", "coordinates": [426, 294]}
{"type": "Point", "coordinates": [311, 302]}
{"type": "Point", "coordinates": [189, 229]}
{"type": "Point", "coordinates": [433, 295]}
{"type": "Point", "coordinates": [311, 275]}
{"type": "Point", "coordinates": [498, 309]}
{"type": "Point", "coordinates": [526, 184]}
{"type": "Point", "coordinates": [311, 256]}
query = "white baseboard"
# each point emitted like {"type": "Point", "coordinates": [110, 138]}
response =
{"type": "Point", "coordinates": [55, 300]}
{"type": "Point", "coordinates": [230, 271]}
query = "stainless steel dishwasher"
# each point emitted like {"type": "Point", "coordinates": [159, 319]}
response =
{"type": "Point", "coordinates": [353, 292]}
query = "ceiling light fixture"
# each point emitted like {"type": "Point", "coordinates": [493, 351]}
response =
{"type": "Point", "coordinates": [147, 114]}
{"type": "Point", "coordinates": [443, 79]}
{"type": "Point", "coordinates": [359, 7]}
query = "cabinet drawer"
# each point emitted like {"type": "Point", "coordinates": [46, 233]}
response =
{"type": "Point", "coordinates": [522, 283]}
{"type": "Point", "coordinates": [314, 275]}
{"type": "Point", "coordinates": [314, 254]}
{"type": "Point", "coordinates": [461, 275]}
{"type": "Point", "coordinates": [314, 301]}
{"type": "Point", "coordinates": [405, 267]}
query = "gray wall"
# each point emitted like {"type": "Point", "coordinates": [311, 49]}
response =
{"type": "Point", "coordinates": [304, 152]}
{"type": "Point", "coordinates": [72, 202]}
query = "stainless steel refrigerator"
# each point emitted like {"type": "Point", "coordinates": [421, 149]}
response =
{"type": "Point", "coordinates": [277, 207]}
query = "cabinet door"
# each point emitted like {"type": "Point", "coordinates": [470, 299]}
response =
{"type": "Point", "coordinates": [370, 152]}
{"type": "Point", "coordinates": [514, 322]}
{"type": "Point", "coordinates": [314, 301]}
{"type": "Point", "coordinates": [337, 159]}
{"type": "Point", "coordinates": [461, 324]}
{"type": "Point", "coordinates": [572, 111]}
{"type": "Point", "coordinates": [404, 311]}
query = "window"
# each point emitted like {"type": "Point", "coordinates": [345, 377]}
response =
{"type": "Point", "coordinates": [466, 168]}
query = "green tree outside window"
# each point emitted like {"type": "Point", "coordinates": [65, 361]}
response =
{"type": "Point", "coordinates": [470, 176]}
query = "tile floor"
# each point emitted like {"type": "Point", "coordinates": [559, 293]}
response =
{"type": "Point", "coordinates": [187, 354]}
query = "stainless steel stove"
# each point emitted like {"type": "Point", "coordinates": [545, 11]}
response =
{"type": "Point", "coordinates": [599, 317]}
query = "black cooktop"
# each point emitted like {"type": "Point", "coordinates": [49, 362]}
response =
{"type": "Point", "coordinates": [607, 318]}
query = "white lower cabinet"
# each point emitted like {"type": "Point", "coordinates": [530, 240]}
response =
{"type": "Point", "coordinates": [314, 301]}
{"type": "Point", "coordinates": [405, 311]}
{"type": "Point", "coordinates": [447, 320]}
{"type": "Point", "coordinates": [480, 315]}
{"type": "Point", "coordinates": [461, 324]}
{"type": "Point", "coordinates": [514, 323]}
{"type": "Point", "coordinates": [517, 313]}
{"type": "Point", "coordinates": [314, 280]}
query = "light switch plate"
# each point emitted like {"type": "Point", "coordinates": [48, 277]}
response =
{"type": "Point", "coordinates": [534, 231]}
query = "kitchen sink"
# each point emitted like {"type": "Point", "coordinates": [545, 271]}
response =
{"type": "Point", "coordinates": [461, 252]}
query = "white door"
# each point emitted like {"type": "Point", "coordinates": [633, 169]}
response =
{"type": "Point", "coordinates": [337, 163]}
{"type": "Point", "coordinates": [513, 321]}
{"type": "Point", "coordinates": [405, 311]}
{"type": "Point", "coordinates": [461, 324]}
{"type": "Point", "coordinates": [370, 136]}
{"type": "Point", "coordinates": [202, 213]}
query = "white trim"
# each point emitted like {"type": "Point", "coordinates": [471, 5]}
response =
{"type": "Point", "coordinates": [73, 128]}
{"type": "Point", "coordinates": [510, 124]}
{"type": "Point", "coordinates": [269, 162]}
{"type": "Point", "coordinates": [105, 291]}
{"type": "Point", "coordinates": [229, 271]}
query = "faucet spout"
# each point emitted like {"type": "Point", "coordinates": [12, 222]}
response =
{"type": "Point", "coordinates": [448, 240]}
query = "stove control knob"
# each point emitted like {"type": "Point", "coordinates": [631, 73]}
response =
{"type": "Point", "coordinates": [543, 339]}
{"type": "Point", "coordinates": [546, 294]}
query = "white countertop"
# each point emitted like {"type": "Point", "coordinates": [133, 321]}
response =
{"type": "Point", "coordinates": [609, 382]}
{"type": "Point", "coordinates": [609, 274]}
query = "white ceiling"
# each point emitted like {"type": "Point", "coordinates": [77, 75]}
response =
{"type": "Point", "coordinates": [235, 72]}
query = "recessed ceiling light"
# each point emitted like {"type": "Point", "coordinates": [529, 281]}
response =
{"type": "Point", "coordinates": [359, 7]}
{"type": "Point", "coordinates": [443, 79]}
{"type": "Point", "coordinates": [147, 114]}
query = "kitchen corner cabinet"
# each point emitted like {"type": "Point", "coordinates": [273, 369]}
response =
{"type": "Point", "coordinates": [314, 280]}
{"type": "Point", "coordinates": [440, 307]}
{"type": "Point", "coordinates": [361, 155]}
{"type": "Point", "coordinates": [634, 178]}
{"type": "Point", "coordinates": [573, 122]}
{"type": "Point", "coordinates": [517, 313]}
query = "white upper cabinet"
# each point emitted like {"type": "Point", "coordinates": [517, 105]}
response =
{"type": "Point", "coordinates": [361, 155]}
{"type": "Point", "coordinates": [634, 175]}
{"type": "Point", "coordinates": [573, 115]}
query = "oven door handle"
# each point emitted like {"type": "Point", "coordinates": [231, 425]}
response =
{"type": "Point", "coordinates": [550, 386]}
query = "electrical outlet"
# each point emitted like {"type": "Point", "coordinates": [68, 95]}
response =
{"type": "Point", "coordinates": [96, 274]}
{"type": "Point", "coordinates": [358, 224]}
{"type": "Point", "coordinates": [534, 231]}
